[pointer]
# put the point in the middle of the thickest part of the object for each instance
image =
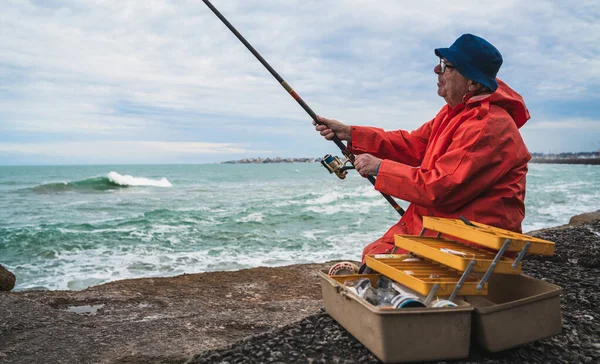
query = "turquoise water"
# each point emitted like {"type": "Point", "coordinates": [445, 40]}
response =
{"type": "Point", "coordinates": [70, 227]}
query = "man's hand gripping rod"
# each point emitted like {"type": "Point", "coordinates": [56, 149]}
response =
{"type": "Point", "coordinates": [306, 108]}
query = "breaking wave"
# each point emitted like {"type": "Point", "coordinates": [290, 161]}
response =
{"type": "Point", "coordinates": [112, 181]}
{"type": "Point", "coordinates": [128, 180]}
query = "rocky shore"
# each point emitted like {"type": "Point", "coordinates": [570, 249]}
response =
{"type": "Point", "coordinates": [264, 315]}
{"type": "Point", "coordinates": [592, 161]}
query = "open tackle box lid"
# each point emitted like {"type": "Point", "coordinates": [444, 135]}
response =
{"type": "Point", "coordinates": [488, 236]}
{"type": "Point", "coordinates": [421, 276]}
{"type": "Point", "coordinates": [455, 255]}
{"type": "Point", "coordinates": [445, 267]}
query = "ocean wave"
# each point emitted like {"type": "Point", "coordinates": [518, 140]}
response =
{"type": "Point", "coordinates": [335, 195]}
{"type": "Point", "coordinates": [253, 217]}
{"type": "Point", "coordinates": [112, 181]}
{"type": "Point", "coordinates": [312, 234]}
{"type": "Point", "coordinates": [127, 180]}
{"type": "Point", "coordinates": [103, 263]}
{"type": "Point", "coordinates": [363, 207]}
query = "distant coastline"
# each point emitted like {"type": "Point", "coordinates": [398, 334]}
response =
{"type": "Point", "coordinates": [567, 158]}
{"type": "Point", "coordinates": [595, 161]}
{"type": "Point", "coordinates": [273, 160]}
{"type": "Point", "coordinates": [564, 158]}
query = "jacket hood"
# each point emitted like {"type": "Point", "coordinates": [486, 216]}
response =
{"type": "Point", "coordinates": [511, 101]}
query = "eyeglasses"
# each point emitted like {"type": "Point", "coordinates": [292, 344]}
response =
{"type": "Point", "coordinates": [444, 65]}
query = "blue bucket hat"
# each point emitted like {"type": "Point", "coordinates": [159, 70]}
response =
{"type": "Point", "coordinates": [475, 58]}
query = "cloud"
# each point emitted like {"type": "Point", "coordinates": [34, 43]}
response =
{"type": "Point", "coordinates": [171, 71]}
{"type": "Point", "coordinates": [119, 152]}
{"type": "Point", "coordinates": [120, 148]}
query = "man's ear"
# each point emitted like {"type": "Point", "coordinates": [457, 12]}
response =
{"type": "Point", "coordinates": [474, 86]}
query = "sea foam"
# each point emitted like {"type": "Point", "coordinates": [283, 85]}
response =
{"type": "Point", "coordinates": [127, 180]}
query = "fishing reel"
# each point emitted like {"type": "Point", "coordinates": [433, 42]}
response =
{"type": "Point", "coordinates": [335, 165]}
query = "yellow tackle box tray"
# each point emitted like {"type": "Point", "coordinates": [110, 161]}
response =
{"type": "Point", "coordinates": [455, 255]}
{"type": "Point", "coordinates": [398, 335]}
{"type": "Point", "coordinates": [488, 236]}
{"type": "Point", "coordinates": [421, 276]}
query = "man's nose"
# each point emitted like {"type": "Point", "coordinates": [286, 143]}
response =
{"type": "Point", "coordinates": [437, 69]}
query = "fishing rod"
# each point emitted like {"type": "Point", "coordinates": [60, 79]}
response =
{"type": "Point", "coordinates": [333, 164]}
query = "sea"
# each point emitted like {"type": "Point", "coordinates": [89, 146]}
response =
{"type": "Point", "coordinates": [72, 227]}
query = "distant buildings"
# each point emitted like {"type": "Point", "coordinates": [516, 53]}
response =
{"type": "Point", "coordinates": [274, 160]}
{"type": "Point", "coordinates": [566, 155]}
{"type": "Point", "coordinates": [559, 158]}
{"type": "Point", "coordinates": [567, 158]}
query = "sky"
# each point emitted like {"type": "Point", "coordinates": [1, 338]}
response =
{"type": "Point", "coordinates": [125, 82]}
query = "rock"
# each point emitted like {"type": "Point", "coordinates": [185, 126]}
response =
{"type": "Point", "coordinates": [585, 218]}
{"type": "Point", "coordinates": [7, 279]}
{"type": "Point", "coordinates": [157, 320]}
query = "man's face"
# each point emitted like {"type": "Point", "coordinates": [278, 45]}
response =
{"type": "Point", "coordinates": [452, 86]}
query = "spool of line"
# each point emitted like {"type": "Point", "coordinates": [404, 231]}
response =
{"type": "Point", "coordinates": [443, 303]}
{"type": "Point", "coordinates": [343, 268]}
{"type": "Point", "coordinates": [403, 300]}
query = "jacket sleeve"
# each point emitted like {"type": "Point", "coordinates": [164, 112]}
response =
{"type": "Point", "coordinates": [399, 146]}
{"type": "Point", "coordinates": [481, 152]}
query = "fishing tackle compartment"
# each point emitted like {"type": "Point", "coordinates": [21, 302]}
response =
{"type": "Point", "coordinates": [517, 310]}
{"type": "Point", "coordinates": [398, 335]}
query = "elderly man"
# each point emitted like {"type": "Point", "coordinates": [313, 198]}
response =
{"type": "Point", "coordinates": [470, 160]}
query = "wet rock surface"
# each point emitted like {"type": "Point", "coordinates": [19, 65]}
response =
{"type": "Point", "coordinates": [7, 279]}
{"type": "Point", "coordinates": [585, 218]}
{"type": "Point", "coordinates": [575, 267]}
{"type": "Point", "coordinates": [154, 320]}
{"type": "Point", "coordinates": [264, 315]}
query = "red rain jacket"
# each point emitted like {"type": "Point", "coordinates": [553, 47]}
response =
{"type": "Point", "coordinates": [468, 161]}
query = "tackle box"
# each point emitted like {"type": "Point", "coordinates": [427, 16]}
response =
{"type": "Point", "coordinates": [517, 310]}
{"type": "Point", "coordinates": [398, 335]}
{"type": "Point", "coordinates": [500, 307]}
